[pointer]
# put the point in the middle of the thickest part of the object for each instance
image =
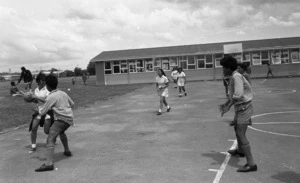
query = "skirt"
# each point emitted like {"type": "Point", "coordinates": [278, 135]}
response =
{"type": "Point", "coordinates": [243, 113]}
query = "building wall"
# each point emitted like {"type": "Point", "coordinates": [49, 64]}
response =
{"type": "Point", "coordinates": [100, 73]}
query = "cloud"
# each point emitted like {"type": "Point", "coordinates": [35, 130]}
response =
{"type": "Point", "coordinates": [278, 22]}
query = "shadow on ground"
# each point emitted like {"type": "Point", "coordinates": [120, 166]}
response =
{"type": "Point", "coordinates": [287, 177]}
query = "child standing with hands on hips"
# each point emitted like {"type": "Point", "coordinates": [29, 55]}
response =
{"type": "Point", "coordinates": [162, 84]}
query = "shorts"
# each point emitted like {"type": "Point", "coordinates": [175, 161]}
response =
{"type": "Point", "coordinates": [180, 82]}
{"type": "Point", "coordinates": [243, 113]}
{"type": "Point", "coordinates": [164, 93]}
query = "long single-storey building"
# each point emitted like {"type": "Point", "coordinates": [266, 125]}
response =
{"type": "Point", "coordinates": [199, 61]}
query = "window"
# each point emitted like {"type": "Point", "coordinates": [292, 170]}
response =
{"type": "Point", "coordinates": [116, 67]}
{"type": "Point", "coordinates": [157, 64]}
{"type": "Point", "coordinates": [140, 66]}
{"type": "Point", "coordinates": [280, 56]}
{"type": "Point", "coordinates": [124, 68]}
{"type": "Point", "coordinates": [183, 62]}
{"type": "Point", "coordinates": [149, 65]}
{"type": "Point", "coordinates": [295, 55]}
{"type": "Point", "coordinates": [256, 58]}
{"type": "Point", "coordinates": [173, 62]}
{"type": "Point", "coordinates": [166, 63]}
{"type": "Point", "coordinates": [191, 62]}
{"type": "Point", "coordinates": [204, 61]}
{"type": "Point", "coordinates": [265, 59]}
{"type": "Point", "coordinates": [107, 68]}
{"type": "Point", "coordinates": [218, 57]}
{"type": "Point", "coordinates": [132, 66]}
{"type": "Point", "coordinates": [246, 58]}
{"type": "Point", "coordinates": [237, 56]}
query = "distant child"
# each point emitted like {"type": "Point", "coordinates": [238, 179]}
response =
{"type": "Point", "coordinates": [242, 69]}
{"type": "Point", "coordinates": [27, 77]}
{"type": "Point", "coordinates": [84, 78]}
{"type": "Point", "coordinates": [74, 80]}
{"type": "Point", "coordinates": [61, 105]}
{"type": "Point", "coordinates": [14, 91]}
{"type": "Point", "coordinates": [240, 96]}
{"type": "Point", "coordinates": [174, 76]}
{"type": "Point", "coordinates": [162, 84]}
{"type": "Point", "coordinates": [269, 71]}
{"type": "Point", "coordinates": [181, 79]}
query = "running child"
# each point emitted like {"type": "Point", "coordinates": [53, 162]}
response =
{"type": "Point", "coordinates": [270, 71]}
{"type": "Point", "coordinates": [40, 94]}
{"type": "Point", "coordinates": [162, 84]}
{"type": "Point", "coordinates": [174, 76]}
{"type": "Point", "coordinates": [181, 79]}
{"type": "Point", "coordinates": [61, 105]}
{"type": "Point", "coordinates": [240, 96]}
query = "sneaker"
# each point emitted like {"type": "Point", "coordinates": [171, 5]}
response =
{"type": "Point", "coordinates": [159, 113]}
{"type": "Point", "coordinates": [180, 95]}
{"type": "Point", "coordinates": [68, 153]}
{"type": "Point", "coordinates": [44, 168]}
{"type": "Point", "coordinates": [168, 110]}
{"type": "Point", "coordinates": [32, 149]}
{"type": "Point", "coordinates": [247, 168]}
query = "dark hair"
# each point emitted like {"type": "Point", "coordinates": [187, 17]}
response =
{"type": "Point", "coordinates": [23, 68]}
{"type": "Point", "coordinates": [243, 66]}
{"type": "Point", "coordinates": [229, 62]}
{"type": "Point", "coordinates": [51, 81]}
{"type": "Point", "coordinates": [162, 71]}
{"type": "Point", "coordinates": [179, 68]}
{"type": "Point", "coordinates": [40, 77]}
{"type": "Point", "coordinates": [12, 83]}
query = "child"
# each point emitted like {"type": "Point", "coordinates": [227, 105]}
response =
{"type": "Point", "coordinates": [174, 76]}
{"type": "Point", "coordinates": [269, 71]}
{"type": "Point", "coordinates": [61, 105]}
{"type": "Point", "coordinates": [73, 80]}
{"type": "Point", "coordinates": [181, 79]}
{"type": "Point", "coordinates": [242, 68]}
{"type": "Point", "coordinates": [40, 94]}
{"type": "Point", "coordinates": [162, 84]}
{"type": "Point", "coordinates": [14, 91]}
{"type": "Point", "coordinates": [27, 77]}
{"type": "Point", "coordinates": [84, 78]}
{"type": "Point", "coordinates": [240, 95]}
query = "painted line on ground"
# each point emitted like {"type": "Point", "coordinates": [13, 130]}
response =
{"type": "Point", "coordinates": [263, 81]}
{"type": "Point", "coordinates": [213, 170]}
{"type": "Point", "coordinates": [275, 123]}
{"type": "Point", "coordinates": [275, 133]}
{"type": "Point", "coordinates": [224, 164]}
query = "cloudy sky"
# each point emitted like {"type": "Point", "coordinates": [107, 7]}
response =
{"type": "Point", "coordinates": [63, 34]}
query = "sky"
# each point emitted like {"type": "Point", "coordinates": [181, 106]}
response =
{"type": "Point", "coordinates": [64, 34]}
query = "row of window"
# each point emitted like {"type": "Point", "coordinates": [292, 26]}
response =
{"type": "Point", "coordinates": [279, 56]}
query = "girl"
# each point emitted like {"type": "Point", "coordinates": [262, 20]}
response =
{"type": "Point", "coordinates": [40, 94]}
{"type": "Point", "coordinates": [181, 79]}
{"type": "Point", "coordinates": [174, 76]}
{"type": "Point", "coordinates": [162, 84]}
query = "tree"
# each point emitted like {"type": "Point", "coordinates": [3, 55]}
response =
{"type": "Point", "coordinates": [91, 68]}
{"type": "Point", "coordinates": [77, 71]}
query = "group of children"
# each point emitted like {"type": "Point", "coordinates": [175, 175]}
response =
{"type": "Point", "coordinates": [53, 112]}
{"type": "Point", "coordinates": [239, 93]}
{"type": "Point", "coordinates": [162, 83]}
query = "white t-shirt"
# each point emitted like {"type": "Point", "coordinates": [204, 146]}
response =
{"type": "Point", "coordinates": [174, 74]}
{"type": "Point", "coordinates": [43, 93]}
{"type": "Point", "coordinates": [162, 81]}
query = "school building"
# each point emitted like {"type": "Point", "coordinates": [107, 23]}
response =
{"type": "Point", "coordinates": [199, 61]}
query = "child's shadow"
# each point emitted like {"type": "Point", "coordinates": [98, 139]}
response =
{"type": "Point", "coordinates": [219, 159]}
{"type": "Point", "coordinates": [40, 153]}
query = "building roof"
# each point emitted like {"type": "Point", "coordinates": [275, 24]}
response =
{"type": "Point", "coordinates": [248, 45]}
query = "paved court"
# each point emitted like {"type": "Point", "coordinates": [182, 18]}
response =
{"type": "Point", "coordinates": [123, 140]}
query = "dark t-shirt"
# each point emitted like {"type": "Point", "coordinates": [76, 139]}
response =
{"type": "Point", "coordinates": [27, 76]}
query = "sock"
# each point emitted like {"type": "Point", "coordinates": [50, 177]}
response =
{"type": "Point", "coordinates": [33, 145]}
{"type": "Point", "coordinates": [168, 107]}
{"type": "Point", "coordinates": [159, 110]}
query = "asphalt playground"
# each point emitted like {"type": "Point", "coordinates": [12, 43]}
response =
{"type": "Point", "coordinates": [122, 140]}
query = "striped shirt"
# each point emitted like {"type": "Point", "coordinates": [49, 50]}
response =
{"type": "Point", "coordinates": [61, 104]}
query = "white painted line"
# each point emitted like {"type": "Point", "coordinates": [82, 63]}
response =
{"type": "Point", "coordinates": [274, 133]}
{"type": "Point", "coordinates": [263, 81]}
{"type": "Point", "coordinates": [281, 112]}
{"type": "Point", "coordinates": [231, 140]}
{"type": "Point", "coordinates": [224, 164]}
{"type": "Point", "coordinates": [275, 123]}
{"type": "Point", "coordinates": [213, 170]}
{"type": "Point", "coordinates": [224, 153]}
